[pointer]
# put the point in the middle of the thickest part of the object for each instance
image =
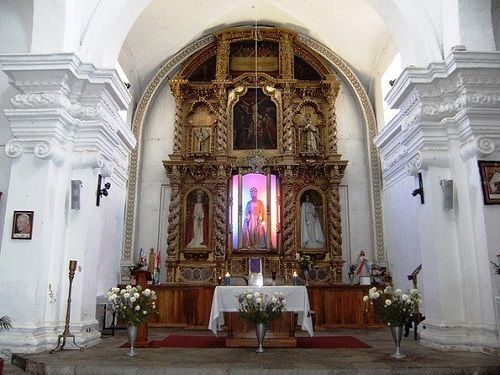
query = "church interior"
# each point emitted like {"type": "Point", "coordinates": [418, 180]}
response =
{"type": "Point", "coordinates": [329, 147]}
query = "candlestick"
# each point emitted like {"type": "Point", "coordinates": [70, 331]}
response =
{"type": "Point", "coordinates": [61, 339]}
{"type": "Point", "coordinates": [295, 279]}
{"type": "Point", "coordinates": [227, 279]}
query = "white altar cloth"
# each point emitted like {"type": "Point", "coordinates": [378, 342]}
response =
{"type": "Point", "coordinates": [226, 300]}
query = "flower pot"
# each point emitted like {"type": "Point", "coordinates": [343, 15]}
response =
{"type": "Point", "coordinates": [260, 330]}
{"type": "Point", "coordinates": [397, 334]}
{"type": "Point", "coordinates": [132, 335]}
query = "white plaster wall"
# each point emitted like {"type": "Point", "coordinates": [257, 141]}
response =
{"type": "Point", "coordinates": [352, 147]}
{"type": "Point", "coordinates": [401, 237]}
{"type": "Point", "coordinates": [111, 239]}
{"type": "Point", "coordinates": [15, 36]}
{"type": "Point", "coordinates": [157, 143]}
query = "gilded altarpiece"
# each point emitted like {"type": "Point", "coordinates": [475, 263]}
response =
{"type": "Point", "coordinates": [254, 170]}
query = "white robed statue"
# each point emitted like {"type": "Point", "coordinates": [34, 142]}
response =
{"type": "Point", "coordinates": [311, 233]}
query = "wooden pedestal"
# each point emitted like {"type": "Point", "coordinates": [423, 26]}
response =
{"type": "Point", "coordinates": [142, 278]}
{"type": "Point", "coordinates": [241, 333]}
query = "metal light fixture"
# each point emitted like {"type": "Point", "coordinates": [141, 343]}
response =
{"type": "Point", "coordinates": [101, 191]}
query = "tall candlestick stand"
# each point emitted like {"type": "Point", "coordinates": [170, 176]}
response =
{"type": "Point", "coordinates": [72, 268]}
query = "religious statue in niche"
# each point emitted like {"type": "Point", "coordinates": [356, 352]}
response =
{"type": "Point", "coordinates": [311, 231]}
{"type": "Point", "coordinates": [201, 140]}
{"type": "Point", "coordinates": [254, 122]}
{"type": "Point", "coordinates": [310, 135]}
{"type": "Point", "coordinates": [254, 226]}
{"type": "Point", "coordinates": [197, 219]}
{"type": "Point", "coordinates": [308, 121]}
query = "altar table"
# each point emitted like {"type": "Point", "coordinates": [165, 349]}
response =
{"type": "Point", "coordinates": [225, 299]}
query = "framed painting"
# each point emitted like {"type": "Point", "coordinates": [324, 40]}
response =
{"type": "Point", "coordinates": [490, 181]}
{"type": "Point", "coordinates": [22, 225]}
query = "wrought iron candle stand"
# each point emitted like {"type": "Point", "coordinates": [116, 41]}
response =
{"type": "Point", "coordinates": [66, 333]}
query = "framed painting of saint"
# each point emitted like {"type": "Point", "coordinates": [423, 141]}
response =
{"type": "Point", "coordinates": [490, 181]}
{"type": "Point", "coordinates": [254, 122]}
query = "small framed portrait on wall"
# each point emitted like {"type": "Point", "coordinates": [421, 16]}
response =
{"type": "Point", "coordinates": [22, 225]}
{"type": "Point", "coordinates": [490, 181]}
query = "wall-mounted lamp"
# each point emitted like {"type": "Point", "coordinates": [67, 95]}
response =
{"type": "Point", "coordinates": [76, 185]}
{"type": "Point", "coordinates": [101, 191]}
{"type": "Point", "coordinates": [420, 190]}
{"type": "Point", "coordinates": [447, 187]}
{"type": "Point", "coordinates": [392, 82]}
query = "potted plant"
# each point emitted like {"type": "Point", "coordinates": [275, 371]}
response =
{"type": "Point", "coordinates": [5, 324]}
{"type": "Point", "coordinates": [260, 308]}
{"type": "Point", "coordinates": [133, 306]}
{"type": "Point", "coordinates": [393, 307]}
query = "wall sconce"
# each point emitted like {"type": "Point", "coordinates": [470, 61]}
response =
{"type": "Point", "coordinates": [101, 191]}
{"type": "Point", "coordinates": [420, 190]}
{"type": "Point", "coordinates": [447, 187]}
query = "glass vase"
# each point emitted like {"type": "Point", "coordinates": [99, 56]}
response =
{"type": "Point", "coordinates": [260, 330]}
{"type": "Point", "coordinates": [397, 334]}
{"type": "Point", "coordinates": [132, 335]}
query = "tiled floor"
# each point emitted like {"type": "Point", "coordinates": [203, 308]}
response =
{"type": "Point", "coordinates": [108, 358]}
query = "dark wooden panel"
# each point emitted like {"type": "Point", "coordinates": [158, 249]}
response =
{"type": "Point", "coordinates": [334, 306]}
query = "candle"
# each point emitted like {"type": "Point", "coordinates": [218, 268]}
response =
{"type": "Point", "coordinates": [227, 279]}
{"type": "Point", "coordinates": [295, 278]}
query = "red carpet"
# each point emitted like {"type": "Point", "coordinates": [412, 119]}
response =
{"type": "Point", "coordinates": [320, 342]}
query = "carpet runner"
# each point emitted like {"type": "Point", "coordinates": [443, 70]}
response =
{"type": "Point", "coordinates": [319, 342]}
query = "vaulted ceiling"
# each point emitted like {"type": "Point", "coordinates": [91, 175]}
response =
{"type": "Point", "coordinates": [352, 29]}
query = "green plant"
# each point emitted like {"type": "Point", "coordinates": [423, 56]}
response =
{"type": "Point", "coordinates": [5, 323]}
{"type": "Point", "coordinates": [496, 266]}
{"type": "Point", "coordinates": [392, 306]}
{"type": "Point", "coordinates": [132, 304]}
{"type": "Point", "coordinates": [261, 307]}
{"type": "Point", "coordinates": [305, 263]}
{"type": "Point", "coordinates": [136, 267]}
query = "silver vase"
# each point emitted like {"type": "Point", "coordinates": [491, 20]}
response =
{"type": "Point", "coordinates": [306, 277]}
{"type": "Point", "coordinates": [397, 334]}
{"type": "Point", "coordinates": [260, 330]}
{"type": "Point", "coordinates": [132, 335]}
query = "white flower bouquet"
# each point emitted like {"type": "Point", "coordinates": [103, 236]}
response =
{"type": "Point", "coordinates": [393, 307]}
{"type": "Point", "coordinates": [259, 307]}
{"type": "Point", "coordinates": [132, 304]}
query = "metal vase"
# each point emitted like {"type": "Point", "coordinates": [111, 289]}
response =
{"type": "Point", "coordinates": [132, 335]}
{"type": "Point", "coordinates": [260, 330]}
{"type": "Point", "coordinates": [306, 276]}
{"type": "Point", "coordinates": [397, 334]}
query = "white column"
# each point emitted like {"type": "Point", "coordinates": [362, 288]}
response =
{"type": "Point", "coordinates": [448, 121]}
{"type": "Point", "coordinates": [64, 126]}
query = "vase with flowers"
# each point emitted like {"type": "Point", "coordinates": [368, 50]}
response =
{"type": "Point", "coordinates": [133, 306]}
{"type": "Point", "coordinates": [306, 264]}
{"type": "Point", "coordinates": [394, 307]}
{"type": "Point", "coordinates": [260, 308]}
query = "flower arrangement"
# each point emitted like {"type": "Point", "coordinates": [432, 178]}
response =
{"type": "Point", "coordinates": [5, 323]}
{"type": "Point", "coordinates": [496, 266]}
{"type": "Point", "coordinates": [392, 306]}
{"type": "Point", "coordinates": [132, 304]}
{"type": "Point", "coordinates": [261, 307]}
{"type": "Point", "coordinates": [305, 263]}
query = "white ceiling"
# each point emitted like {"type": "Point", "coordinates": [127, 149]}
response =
{"type": "Point", "coordinates": [351, 28]}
